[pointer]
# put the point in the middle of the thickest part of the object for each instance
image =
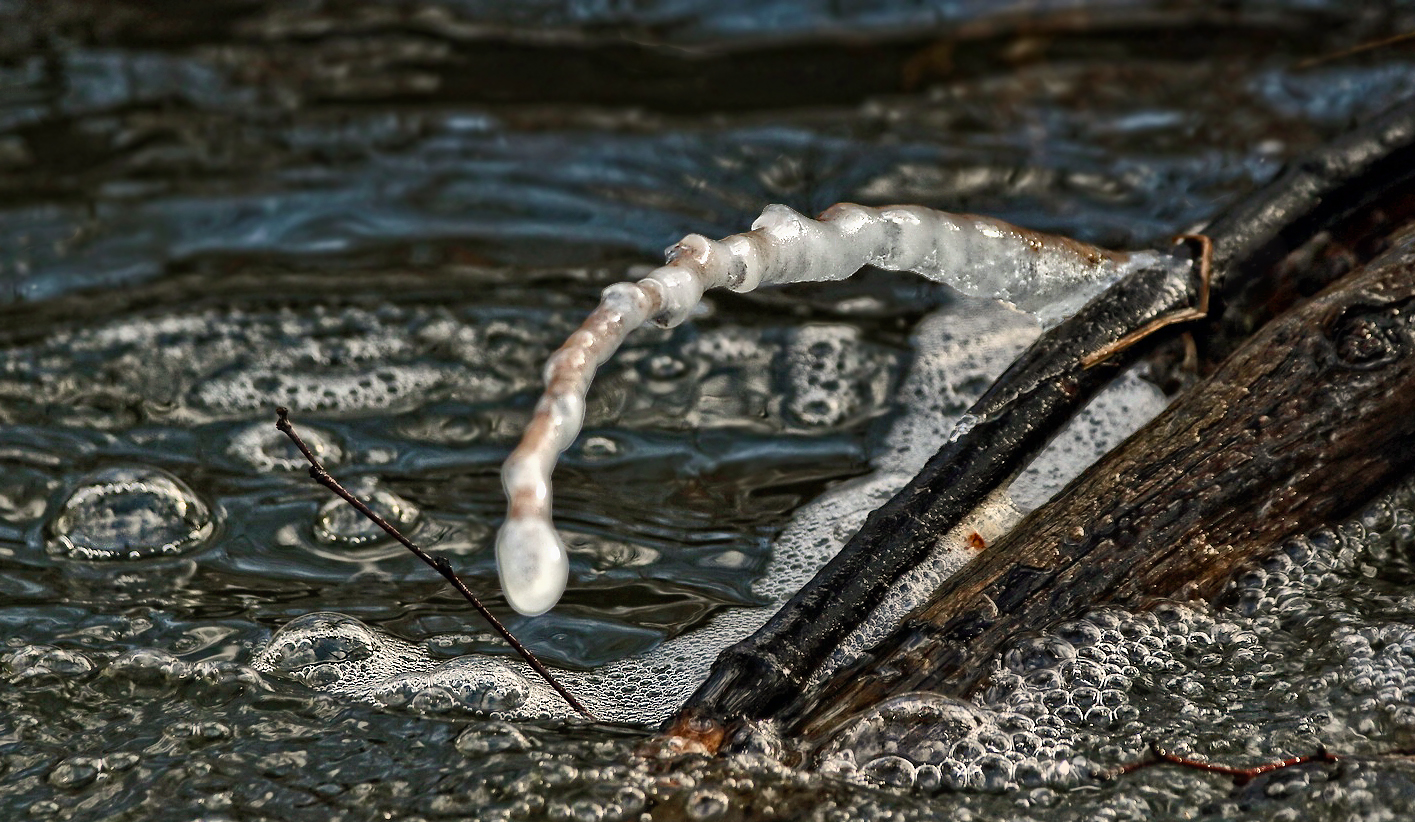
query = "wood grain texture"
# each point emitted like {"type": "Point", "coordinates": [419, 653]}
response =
{"type": "Point", "coordinates": [1309, 419]}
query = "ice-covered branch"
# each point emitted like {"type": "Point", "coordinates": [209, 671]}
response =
{"type": "Point", "coordinates": [1045, 275]}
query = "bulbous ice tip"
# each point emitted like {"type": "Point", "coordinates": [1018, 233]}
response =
{"type": "Point", "coordinates": [532, 563]}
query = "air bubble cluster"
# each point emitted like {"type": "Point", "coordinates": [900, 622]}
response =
{"type": "Point", "coordinates": [238, 364]}
{"type": "Point", "coordinates": [39, 665]}
{"type": "Point", "coordinates": [340, 655]}
{"type": "Point", "coordinates": [339, 523]}
{"type": "Point", "coordinates": [140, 672]}
{"type": "Point", "coordinates": [1311, 646]}
{"type": "Point", "coordinates": [830, 377]}
{"type": "Point", "coordinates": [479, 684]}
{"type": "Point", "coordinates": [935, 743]}
{"type": "Point", "coordinates": [265, 449]}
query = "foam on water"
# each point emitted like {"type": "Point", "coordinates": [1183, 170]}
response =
{"type": "Point", "coordinates": [958, 352]}
{"type": "Point", "coordinates": [830, 378]}
{"type": "Point", "coordinates": [1116, 412]}
{"type": "Point", "coordinates": [343, 656]}
{"type": "Point", "coordinates": [222, 364]}
{"type": "Point", "coordinates": [1312, 647]}
{"type": "Point", "coordinates": [263, 448]}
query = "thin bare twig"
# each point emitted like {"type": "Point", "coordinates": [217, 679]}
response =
{"type": "Point", "coordinates": [438, 563]}
{"type": "Point", "coordinates": [1356, 49]}
{"type": "Point", "coordinates": [1241, 776]}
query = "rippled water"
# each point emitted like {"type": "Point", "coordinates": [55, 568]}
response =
{"type": "Point", "coordinates": [385, 217]}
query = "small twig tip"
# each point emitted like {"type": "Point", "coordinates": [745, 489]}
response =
{"type": "Point", "coordinates": [438, 563]}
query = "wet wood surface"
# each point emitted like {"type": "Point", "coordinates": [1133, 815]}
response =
{"type": "Point", "coordinates": [1362, 179]}
{"type": "Point", "coordinates": [1301, 425]}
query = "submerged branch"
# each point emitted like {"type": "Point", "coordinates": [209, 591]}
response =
{"type": "Point", "coordinates": [1240, 776]}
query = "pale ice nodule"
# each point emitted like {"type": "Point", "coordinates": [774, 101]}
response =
{"type": "Point", "coordinates": [1048, 276]}
{"type": "Point", "coordinates": [533, 563]}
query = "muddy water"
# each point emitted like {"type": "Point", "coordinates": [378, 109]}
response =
{"type": "Point", "coordinates": [385, 217]}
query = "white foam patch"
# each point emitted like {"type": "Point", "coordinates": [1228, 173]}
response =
{"type": "Point", "coordinates": [235, 364]}
{"type": "Point", "coordinates": [383, 388]}
{"type": "Point", "coordinates": [343, 656]}
{"type": "Point", "coordinates": [958, 352]}
{"type": "Point", "coordinates": [830, 376]}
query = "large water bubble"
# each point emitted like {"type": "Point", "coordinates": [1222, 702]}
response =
{"type": "Point", "coordinates": [129, 513]}
{"type": "Point", "coordinates": [339, 523]}
{"type": "Point", "coordinates": [320, 639]}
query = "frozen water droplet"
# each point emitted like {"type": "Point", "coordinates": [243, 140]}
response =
{"type": "Point", "coordinates": [129, 513]}
{"type": "Point", "coordinates": [533, 564]}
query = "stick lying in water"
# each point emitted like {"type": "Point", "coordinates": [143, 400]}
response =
{"type": "Point", "coordinates": [439, 563]}
{"type": "Point", "coordinates": [1019, 413]}
{"type": "Point", "coordinates": [1047, 275]}
{"type": "Point", "coordinates": [1301, 425]}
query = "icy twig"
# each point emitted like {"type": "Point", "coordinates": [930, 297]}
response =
{"type": "Point", "coordinates": [1046, 275]}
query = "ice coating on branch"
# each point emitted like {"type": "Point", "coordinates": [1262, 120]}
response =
{"type": "Point", "coordinates": [1045, 275]}
{"type": "Point", "coordinates": [533, 563]}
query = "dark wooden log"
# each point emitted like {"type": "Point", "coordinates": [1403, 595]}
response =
{"type": "Point", "coordinates": [1304, 423]}
{"type": "Point", "coordinates": [1026, 407]}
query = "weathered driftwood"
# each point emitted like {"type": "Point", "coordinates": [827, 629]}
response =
{"type": "Point", "coordinates": [764, 674]}
{"type": "Point", "coordinates": [1309, 419]}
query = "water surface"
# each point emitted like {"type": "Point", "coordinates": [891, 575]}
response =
{"type": "Point", "coordinates": [385, 217]}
